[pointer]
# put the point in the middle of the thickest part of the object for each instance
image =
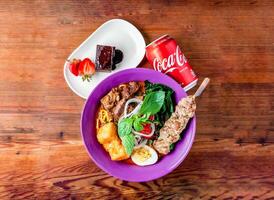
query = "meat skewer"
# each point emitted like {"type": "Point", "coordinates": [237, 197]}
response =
{"type": "Point", "coordinates": [184, 111]}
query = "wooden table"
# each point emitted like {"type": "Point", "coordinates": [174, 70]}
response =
{"type": "Point", "coordinates": [41, 152]}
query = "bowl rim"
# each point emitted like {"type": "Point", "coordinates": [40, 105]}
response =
{"type": "Point", "coordinates": [171, 168]}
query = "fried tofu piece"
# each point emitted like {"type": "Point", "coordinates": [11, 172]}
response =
{"type": "Point", "coordinates": [107, 133]}
{"type": "Point", "coordinates": [108, 137]}
{"type": "Point", "coordinates": [116, 150]}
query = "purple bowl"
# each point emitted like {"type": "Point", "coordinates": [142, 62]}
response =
{"type": "Point", "coordinates": [121, 169]}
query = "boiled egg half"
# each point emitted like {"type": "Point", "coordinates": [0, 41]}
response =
{"type": "Point", "coordinates": [144, 155]}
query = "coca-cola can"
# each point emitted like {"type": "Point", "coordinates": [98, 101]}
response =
{"type": "Point", "coordinates": [165, 56]}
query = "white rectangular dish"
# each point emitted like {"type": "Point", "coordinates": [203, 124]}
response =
{"type": "Point", "coordinates": [116, 32]}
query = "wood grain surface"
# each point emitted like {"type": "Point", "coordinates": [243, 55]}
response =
{"type": "Point", "coordinates": [232, 42]}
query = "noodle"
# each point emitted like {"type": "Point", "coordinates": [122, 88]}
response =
{"type": "Point", "coordinates": [103, 117]}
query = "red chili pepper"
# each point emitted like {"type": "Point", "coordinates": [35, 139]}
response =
{"type": "Point", "coordinates": [147, 127]}
{"type": "Point", "coordinates": [151, 117]}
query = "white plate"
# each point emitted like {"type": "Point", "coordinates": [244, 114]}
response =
{"type": "Point", "coordinates": [116, 32]}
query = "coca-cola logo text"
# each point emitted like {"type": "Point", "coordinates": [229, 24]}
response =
{"type": "Point", "coordinates": [168, 64]}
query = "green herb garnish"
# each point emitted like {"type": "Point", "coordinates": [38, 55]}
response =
{"type": "Point", "coordinates": [128, 142]}
{"type": "Point", "coordinates": [153, 102]}
{"type": "Point", "coordinates": [167, 109]}
{"type": "Point", "coordinates": [157, 102]}
{"type": "Point", "coordinates": [124, 127]}
{"type": "Point", "coordinates": [125, 134]}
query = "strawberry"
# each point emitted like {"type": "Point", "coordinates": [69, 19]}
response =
{"type": "Point", "coordinates": [86, 69]}
{"type": "Point", "coordinates": [73, 66]}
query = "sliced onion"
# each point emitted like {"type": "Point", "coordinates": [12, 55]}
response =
{"type": "Point", "coordinates": [143, 142]}
{"type": "Point", "coordinates": [135, 110]}
{"type": "Point", "coordinates": [133, 100]}
{"type": "Point", "coordinates": [137, 139]}
{"type": "Point", "coordinates": [146, 135]}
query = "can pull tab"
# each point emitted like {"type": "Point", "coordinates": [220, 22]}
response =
{"type": "Point", "coordinates": [202, 87]}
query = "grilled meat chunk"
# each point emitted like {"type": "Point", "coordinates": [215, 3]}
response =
{"type": "Point", "coordinates": [115, 100]}
{"type": "Point", "coordinates": [133, 87]}
{"type": "Point", "coordinates": [110, 100]}
{"type": "Point", "coordinates": [118, 109]}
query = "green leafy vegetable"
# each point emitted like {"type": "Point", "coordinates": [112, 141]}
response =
{"type": "Point", "coordinates": [171, 147]}
{"type": "Point", "coordinates": [137, 124]}
{"type": "Point", "coordinates": [149, 142]}
{"type": "Point", "coordinates": [167, 108]}
{"type": "Point", "coordinates": [139, 121]}
{"type": "Point", "coordinates": [125, 127]}
{"type": "Point", "coordinates": [125, 134]}
{"type": "Point", "coordinates": [153, 103]}
{"type": "Point", "coordinates": [128, 142]}
{"type": "Point", "coordinates": [157, 102]}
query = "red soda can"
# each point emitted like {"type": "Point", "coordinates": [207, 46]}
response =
{"type": "Point", "coordinates": [165, 56]}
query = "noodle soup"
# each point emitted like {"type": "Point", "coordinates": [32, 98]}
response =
{"type": "Point", "coordinates": [129, 120]}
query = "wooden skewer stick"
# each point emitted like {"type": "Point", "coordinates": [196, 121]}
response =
{"type": "Point", "coordinates": [202, 87]}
